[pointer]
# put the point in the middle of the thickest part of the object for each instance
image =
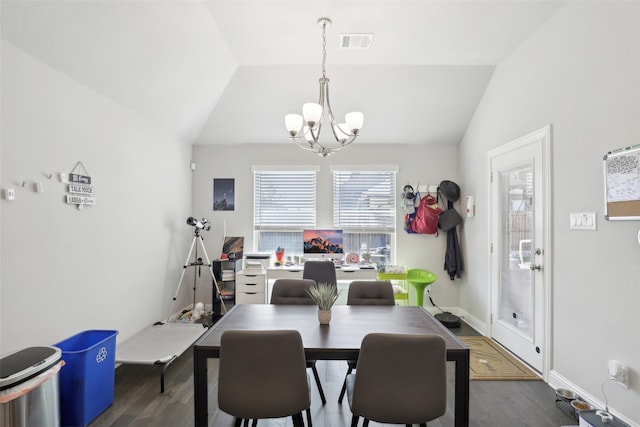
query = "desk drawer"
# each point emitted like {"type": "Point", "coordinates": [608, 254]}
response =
{"type": "Point", "coordinates": [243, 277]}
{"type": "Point", "coordinates": [250, 298]}
{"type": "Point", "coordinates": [282, 273]}
{"type": "Point", "coordinates": [251, 287]}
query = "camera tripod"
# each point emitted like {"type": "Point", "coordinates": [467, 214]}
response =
{"type": "Point", "coordinates": [198, 263]}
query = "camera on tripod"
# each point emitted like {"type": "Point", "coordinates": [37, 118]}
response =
{"type": "Point", "coordinates": [205, 224]}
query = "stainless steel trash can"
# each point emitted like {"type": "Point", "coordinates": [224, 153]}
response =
{"type": "Point", "coordinates": [29, 395]}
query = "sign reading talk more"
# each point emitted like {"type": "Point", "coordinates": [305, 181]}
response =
{"type": "Point", "coordinates": [80, 189]}
{"type": "Point", "coordinates": [80, 195]}
{"type": "Point", "coordinates": [80, 192]}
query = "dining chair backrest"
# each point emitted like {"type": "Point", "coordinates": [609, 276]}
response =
{"type": "Point", "coordinates": [292, 291]}
{"type": "Point", "coordinates": [320, 271]}
{"type": "Point", "coordinates": [262, 374]}
{"type": "Point", "coordinates": [400, 379]}
{"type": "Point", "coordinates": [366, 292]}
{"type": "Point", "coordinates": [370, 292]}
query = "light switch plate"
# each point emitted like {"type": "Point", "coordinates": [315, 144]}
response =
{"type": "Point", "coordinates": [582, 221]}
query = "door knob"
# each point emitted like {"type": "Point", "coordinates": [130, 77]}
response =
{"type": "Point", "coordinates": [535, 267]}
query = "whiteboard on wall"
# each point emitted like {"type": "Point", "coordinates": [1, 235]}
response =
{"type": "Point", "coordinates": [622, 184]}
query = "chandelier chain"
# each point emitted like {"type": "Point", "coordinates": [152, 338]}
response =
{"type": "Point", "coordinates": [324, 49]}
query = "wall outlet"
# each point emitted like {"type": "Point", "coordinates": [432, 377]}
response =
{"type": "Point", "coordinates": [10, 194]}
{"type": "Point", "coordinates": [618, 373]}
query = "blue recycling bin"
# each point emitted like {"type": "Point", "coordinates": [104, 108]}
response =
{"type": "Point", "coordinates": [88, 376]}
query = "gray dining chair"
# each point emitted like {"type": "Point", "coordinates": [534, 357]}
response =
{"type": "Point", "coordinates": [366, 292]}
{"type": "Point", "coordinates": [401, 379]}
{"type": "Point", "coordinates": [370, 292]}
{"type": "Point", "coordinates": [262, 374]}
{"type": "Point", "coordinates": [293, 292]}
{"type": "Point", "coordinates": [320, 271]}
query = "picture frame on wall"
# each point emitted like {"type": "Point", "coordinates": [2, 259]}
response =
{"type": "Point", "coordinates": [622, 184]}
{"type": "Point", "coordinates": [224, 194]}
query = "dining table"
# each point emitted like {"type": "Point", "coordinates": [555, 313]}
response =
{"type": "Point", "coordinates": [339, 340]}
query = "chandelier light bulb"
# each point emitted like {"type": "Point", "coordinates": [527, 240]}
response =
{"type": "Point", "coordinates": [354, 120]}
{"type": "Point", "coordinates": [293, 122]}
{"type": "Point", "coordinates": [312, 113]}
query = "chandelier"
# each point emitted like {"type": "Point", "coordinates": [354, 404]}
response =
{"type": "Point", "coordinates": [305, 129]}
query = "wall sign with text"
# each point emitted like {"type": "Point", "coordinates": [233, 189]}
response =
{"type": "Point", "coordinates": [80, 192]}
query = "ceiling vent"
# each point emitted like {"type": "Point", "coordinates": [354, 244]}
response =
{"type": "Point", "coordinates": [355, 41]}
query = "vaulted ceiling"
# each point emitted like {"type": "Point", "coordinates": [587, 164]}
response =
{"type": "Point", "coordinates": [226, 72]}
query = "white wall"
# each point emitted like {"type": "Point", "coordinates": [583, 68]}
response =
{"type": "Point", "coordinates": [579, 73]}
{"type": "Point", "coordinates": [109, 266]}
{"type": "Point", "coordinates": [417, 165]}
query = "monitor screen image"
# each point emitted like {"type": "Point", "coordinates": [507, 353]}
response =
{"type": "Point", "coordinates": [233, 247]}
{"type": "Point", "coordinates": [323, 242]}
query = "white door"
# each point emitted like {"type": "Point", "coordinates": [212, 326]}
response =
{"type": "Point", "coordinates": [519, 255]}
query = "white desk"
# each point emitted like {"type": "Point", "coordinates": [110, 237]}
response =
{"type": "Point", "coordinates": [344, 273]}
{"type": "Point", "coordinates": [344, 276]}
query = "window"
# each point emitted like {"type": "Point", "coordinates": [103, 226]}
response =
{"type": "Point", "coordinates": [364, 206]}
{"type": "Point", "coordinates": [284, 204]}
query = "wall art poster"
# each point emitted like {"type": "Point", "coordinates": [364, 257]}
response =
{"type": "Point", "coordinates": [224, 194]}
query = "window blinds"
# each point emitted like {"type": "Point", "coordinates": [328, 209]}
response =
{"type": "Point", "coordinates": [284, 199]}
{"type": "Point", "coordinates": [364, 200]}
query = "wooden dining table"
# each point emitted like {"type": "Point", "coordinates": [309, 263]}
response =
{"type": "Point", "coordinates": [340, 340]}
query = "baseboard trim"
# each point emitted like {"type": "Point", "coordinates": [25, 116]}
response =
{"type": "Point", "coordinates": [470, 320]}
{"type": "Point", "coordinates": [558, 381]}
{"type": "Point", "coordinates": [473, 321]}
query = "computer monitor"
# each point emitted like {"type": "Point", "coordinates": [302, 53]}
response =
{"type": "Point", "coordinates": [322, 244]}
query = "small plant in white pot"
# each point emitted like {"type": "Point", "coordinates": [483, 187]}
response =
{"type": "Point", "coordinates": [325, 296]}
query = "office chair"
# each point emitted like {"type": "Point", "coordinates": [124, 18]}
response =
{"type": "Point", "coordinates": [366, 292]}
{"type": "Point", "coordinates": [320, 271]}
{"type": "Point", "coordinates": [262, 374]}
{"type": "Point", "coordinates": [293, 292]}
{"type": "Point", "coordinates": [401, 379]}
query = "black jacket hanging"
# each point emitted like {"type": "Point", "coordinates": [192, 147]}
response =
{"type": "Point", "coordinates": [453, 256]}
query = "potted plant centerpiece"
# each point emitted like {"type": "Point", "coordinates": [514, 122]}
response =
{"type": "Point", "coordinates": [324, 295]}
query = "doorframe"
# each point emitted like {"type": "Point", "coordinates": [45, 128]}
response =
{"type": "Point", "coordinates": [544, 135]}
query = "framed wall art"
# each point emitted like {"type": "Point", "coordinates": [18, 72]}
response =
{"type": "Point", "coordinates": [224, 194]}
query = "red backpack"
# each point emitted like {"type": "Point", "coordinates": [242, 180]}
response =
{"type": "Point", "coordinates": [426, 216]}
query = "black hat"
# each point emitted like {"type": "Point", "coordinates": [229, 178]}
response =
{"type": "Point", "coordinates": [450, 190]}
{"type": "Point", "coordinates": [407, 192]}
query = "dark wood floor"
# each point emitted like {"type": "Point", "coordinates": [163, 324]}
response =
{"type": "Point", "coordinates": [138, 401]}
